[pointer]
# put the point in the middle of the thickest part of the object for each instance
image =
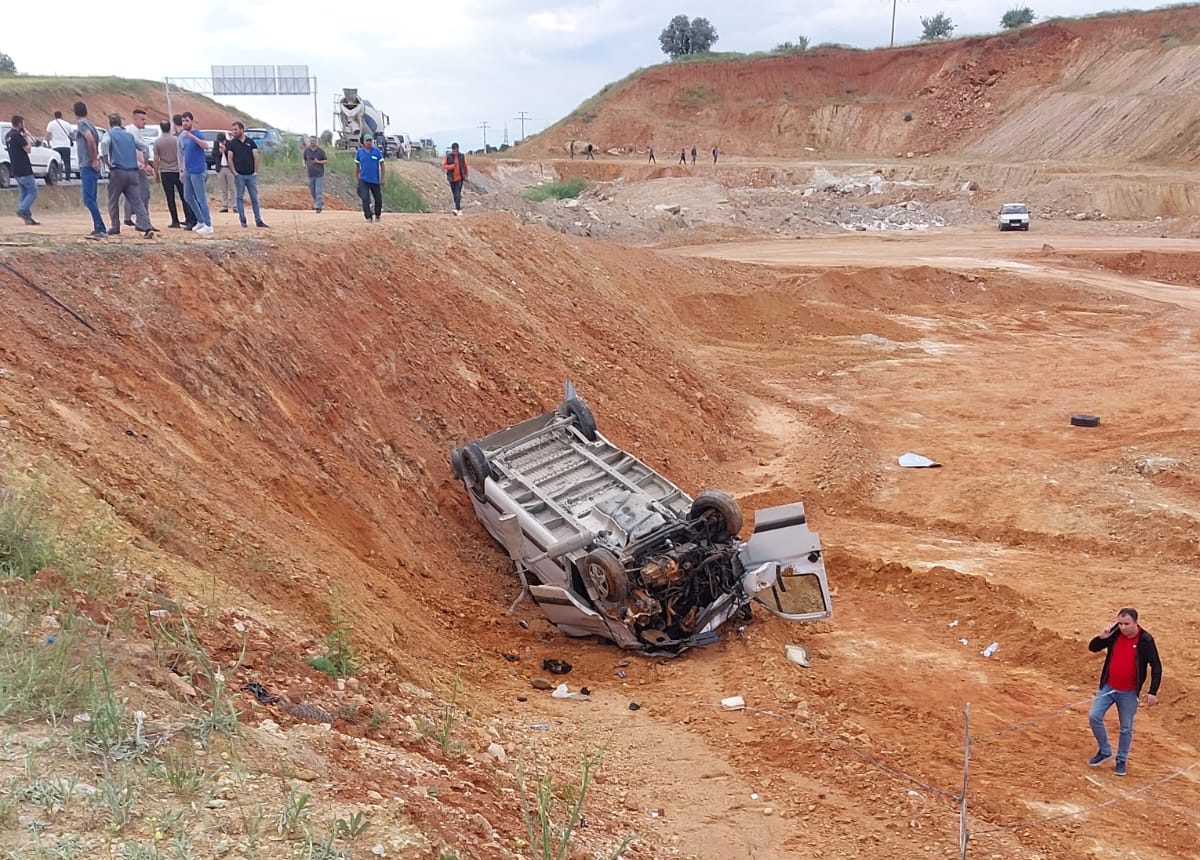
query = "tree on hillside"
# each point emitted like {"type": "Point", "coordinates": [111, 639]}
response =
{"type": "Point", "coordinates": [797, 47]}
{"type": "Point", "coordinates": [7, 66]}
{"type": "Point", "coordinates": [1018, 16]}
{"type": "Point", "coordinates": [682, 37]}
{"type": "Point", "coordinates": [937, 27]}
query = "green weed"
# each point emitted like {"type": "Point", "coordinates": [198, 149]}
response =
{"type": "Point", "coordinates": [28, 541]}
{"type": "Point", "coordinates": [295, 811]}
{"type": "Point", "coordinates": [115, 797]}
{"type": "Point", "coordinates": [179, 649]}
{"type": "Point", "coordinates": [353, 827]}
{"type": "Point", "coordinates": [442, 729]}
{"type": "Point", "coordinates": [552, 812]}
{"type": "Point", "coordinates": [339, 658]}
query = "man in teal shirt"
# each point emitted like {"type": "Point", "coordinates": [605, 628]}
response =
{"type": "Point", "coordinates": [368, 172]}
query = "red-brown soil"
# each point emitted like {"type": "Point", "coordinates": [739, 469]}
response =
{"type": "Point", "coordinates": [1094, 88]}
{"type": "Point", "coordinates": [269, 421]}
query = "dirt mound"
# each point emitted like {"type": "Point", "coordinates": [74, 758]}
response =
{"type": "Point", "coordinates": [37, 98]}
{"type": "Point", "coordinates": [1066, 89]}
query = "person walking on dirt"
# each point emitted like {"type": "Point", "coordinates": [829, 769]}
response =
{"type": "Point", "coordinates": [368, 174]}
{"type": "Point", "coordinates": [455, 165]}
{"type": "Point", "coordinates": [243, 161]}
{"type": "Point", "coordinates": [1129, 652]}
{"type": "Point", "coordinates": [683, 156]}
{"type": "Point", "coordinates": [314, 163]}
{"type": "Point", "coordinates": [714, 155]}
{"type": "Point", "coordinates": [651, 160]}
{"type": "Point", "coordinates": [693, 156]}
{"type": "Point", "coordinates": [126, 162]}
{"type": "Point", "coordinates": [18, 144]}
{"type": "Point", "coordinates": [572, 150]}
{"type": "Point", "coordinates": [61, 135]}
{"type": "Point", "coordinates": [166, 170]}
{"type": "Point", "coordinates": [87, 148]}
{"type": "Point", "coordinates": [591, 152]}
{"type": "Point", "coordinates": [195, 174]}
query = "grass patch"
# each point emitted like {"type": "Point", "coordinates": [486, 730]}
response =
{"type": "Point", "coordinates": [285, 166]}
{"type": "Point", "coordinates": [572, 187]}
{"type": "Point", "coordinates": [697, 96]}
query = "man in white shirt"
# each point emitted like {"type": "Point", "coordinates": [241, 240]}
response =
{"type": "Point", "coordinates": [61, 134]}
{"type": "Point", "coordinates": [146, 170]}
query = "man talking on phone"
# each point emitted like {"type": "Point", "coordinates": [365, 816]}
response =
{"type": "Point", "coordinates": [1130, 652]}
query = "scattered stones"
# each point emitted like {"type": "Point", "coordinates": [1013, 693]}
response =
{"type": "Point", "coordinates": [497, 752]}
{"type": "Point", "coordinates": [541, 684]}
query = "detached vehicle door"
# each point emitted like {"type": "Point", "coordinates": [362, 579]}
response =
{"type": "Point", "coordinates": [785, 566]}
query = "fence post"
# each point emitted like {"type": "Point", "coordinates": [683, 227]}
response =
{"type": "Point", "coordinates": [963, 837]}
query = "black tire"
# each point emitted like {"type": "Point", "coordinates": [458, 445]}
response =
{"type": "Point", "coordinates": [5, 175]}
{"type": "Point", "coordinates": [456, 462]}
{"type": "Point", "coordinates": [721, 504]}
{"type": "Point", "coordinates": [475, 468]}
{"type": "Point", "coordinates": [604, 577]}
{"type": "Point", "coordinates": [53, 173]}
{"type": "Point", "coordinates": [578, 410]}
{"type": "Point", "coordinates": [1085, 420]}
{"type": "Point", "coordinates": [1026, 228]}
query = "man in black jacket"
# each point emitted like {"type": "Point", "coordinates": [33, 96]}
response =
{"type": "Point", "coordinates": [1130, 652]}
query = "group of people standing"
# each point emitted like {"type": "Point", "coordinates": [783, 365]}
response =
{"type": "Point", "coordinates": [177, 159]}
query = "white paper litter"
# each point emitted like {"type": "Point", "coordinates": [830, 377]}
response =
{"type": "Point", "coordinates": [910, 460]}
{"type": "Point", "coordinates": [733, 703]}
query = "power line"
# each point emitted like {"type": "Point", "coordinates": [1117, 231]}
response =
{"type": "Point", "coordinates": [521, 117]}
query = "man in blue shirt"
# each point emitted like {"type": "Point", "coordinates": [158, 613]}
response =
{"type": "Point", "coordinates": [368, 172]}
{"type": "Point", "coordinates": [125, 165]}
{"type": "Point", "coordinates": [195, 174]}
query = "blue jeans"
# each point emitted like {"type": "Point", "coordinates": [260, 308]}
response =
{"type": "Point", "coordinates": [28, 186]}
{"type": "Point", "coordinates": [240, 184]}
{"type": "Point", "coordinates": [91, 188]}
{"type": "Point", "coordinates": [1127, 705]}
{"type": "Point", "coordinates": [316, 187]}
{"type": "Point", "coordinates": [195, 192]}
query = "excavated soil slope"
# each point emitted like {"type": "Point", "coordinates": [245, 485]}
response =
{"type": "Point", "coordinates": [268, 422]}
{"type": "Point", "coordinates": [1112, 87]}
{"type": "Point", "coordinates": [36, 99]}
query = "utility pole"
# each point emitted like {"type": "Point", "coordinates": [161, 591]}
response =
{"type": "Point", "coordinates": [484, 125]}
{"type": "Point", "coordinates": [506, 135]}
{"type": "Point", "coordinates": [521, 117]}
{"type": "Point", "coordinates": [892, 41]}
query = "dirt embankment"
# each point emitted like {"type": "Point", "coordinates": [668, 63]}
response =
{"type": "Point", "coordinates": [268, 423]}
{"type": "Point", "coordinates": [1108, 87]}
{"type": "Point", "coordinates": [36, 99]}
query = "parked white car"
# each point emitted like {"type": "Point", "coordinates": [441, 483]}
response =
{"type": "Point", "coordinates": [1014, 216]}
{"type": "Point", "coordinates": [47, 164]}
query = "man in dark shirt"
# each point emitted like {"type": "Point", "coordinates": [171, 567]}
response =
{"type": "Point", "coordinates": [245, 172]}
{"type": "Point", "coordinates": [19, 145]}
{"type": "Point", "coordinates": [1130, 653]}
{"type": "Point", "coordinates": [314, 161]}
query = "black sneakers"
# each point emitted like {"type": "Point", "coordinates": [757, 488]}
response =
{"type": "Point", "coordinates": [1099, 759]}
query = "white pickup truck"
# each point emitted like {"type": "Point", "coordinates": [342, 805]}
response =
{"type": "Point", "coordinates": [1014, 216]}
{"type": "Point", "coordinates": [608, 547]}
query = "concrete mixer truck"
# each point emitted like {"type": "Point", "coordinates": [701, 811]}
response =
{"type": "Point", "coordinates": [354, 116]}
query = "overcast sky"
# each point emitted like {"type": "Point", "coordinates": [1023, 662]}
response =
{"type": "Point", "coordinates": [439, 69]}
